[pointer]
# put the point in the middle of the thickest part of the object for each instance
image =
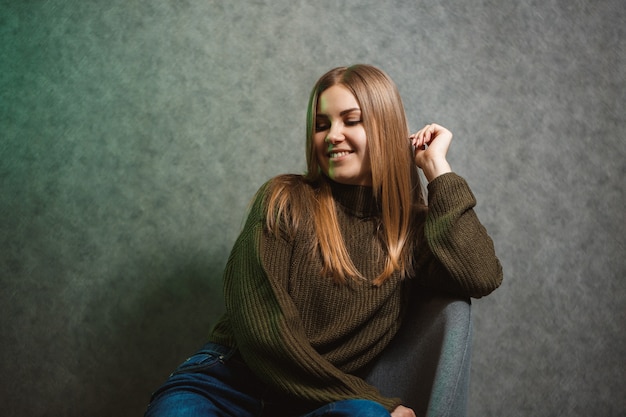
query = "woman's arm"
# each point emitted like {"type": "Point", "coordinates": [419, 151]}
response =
{"type": "Point", "coordinates": [464, 259]}
{"type": "Point", "coordinates": [456, 253]}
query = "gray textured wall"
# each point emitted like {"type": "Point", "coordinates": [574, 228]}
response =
{"type": "Point", "coordinates": [133, 134]}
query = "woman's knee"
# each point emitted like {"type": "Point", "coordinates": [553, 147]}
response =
{"type": "Point", "coordinates": [360, 408]}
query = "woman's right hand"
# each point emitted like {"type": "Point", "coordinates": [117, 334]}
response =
{"type": "Point", "coordinates": [402, 411]}
{"type": "Point", "coordinates": [431, 146]}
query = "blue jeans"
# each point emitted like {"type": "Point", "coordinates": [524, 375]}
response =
{"type": "Point", "coordinates": [216, 382]}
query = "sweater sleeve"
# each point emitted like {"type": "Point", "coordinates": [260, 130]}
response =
{"type": "Point", "coordinates": [464, 260]}
{"type": "Point", "coordinates": [267, 327]}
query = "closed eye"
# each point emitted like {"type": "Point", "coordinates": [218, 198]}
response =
{"type": "Point", "coordinates": [353, 122]}
{"type": "Point", "coordinates": [352, 117]}
{"type": "Point", "coordinates": [321, 125]}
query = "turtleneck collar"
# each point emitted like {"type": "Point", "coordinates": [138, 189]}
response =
{"type": "Point", "coordinates": [357, 200]}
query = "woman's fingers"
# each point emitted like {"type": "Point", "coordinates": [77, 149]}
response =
{"type": "Point", "coordinates": [424, 136]}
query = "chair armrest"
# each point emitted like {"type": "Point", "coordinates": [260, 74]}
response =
{"type": "Point", "coordinates": [428, 362]}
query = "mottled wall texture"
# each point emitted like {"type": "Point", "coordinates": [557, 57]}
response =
{"type": "Point", "coordinates": [134, 133]}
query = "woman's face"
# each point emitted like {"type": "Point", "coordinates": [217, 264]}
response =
{"type": "Point", "coordinates": [340, 141]}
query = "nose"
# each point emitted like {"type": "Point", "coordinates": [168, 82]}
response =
{"type": "Point", "coordinates": [335, 135]}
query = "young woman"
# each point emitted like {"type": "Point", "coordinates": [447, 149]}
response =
{"type": "Point", "coordinates": [317, 283]}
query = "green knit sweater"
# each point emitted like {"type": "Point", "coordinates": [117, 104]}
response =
{"type": "Point", "coordinates": [302, 333]}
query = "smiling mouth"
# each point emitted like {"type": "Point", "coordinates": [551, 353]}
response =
{"type": "Point", "coordinates": [335, 155]}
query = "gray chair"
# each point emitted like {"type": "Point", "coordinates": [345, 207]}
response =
{"type": "Point", "coordinates": [428, 362]}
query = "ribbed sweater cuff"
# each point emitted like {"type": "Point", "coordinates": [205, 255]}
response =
{"type": "Point", "coordinates": [446, 192]}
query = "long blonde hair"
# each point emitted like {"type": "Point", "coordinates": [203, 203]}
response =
{"type": "Point", "coordinates": [395, 180]}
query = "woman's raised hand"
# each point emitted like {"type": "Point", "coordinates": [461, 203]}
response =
{"type": "Point", "coordinates": [431, 145]}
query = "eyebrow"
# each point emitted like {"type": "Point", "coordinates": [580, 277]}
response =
{"type": "Point", "coordinates": [342, 113]}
